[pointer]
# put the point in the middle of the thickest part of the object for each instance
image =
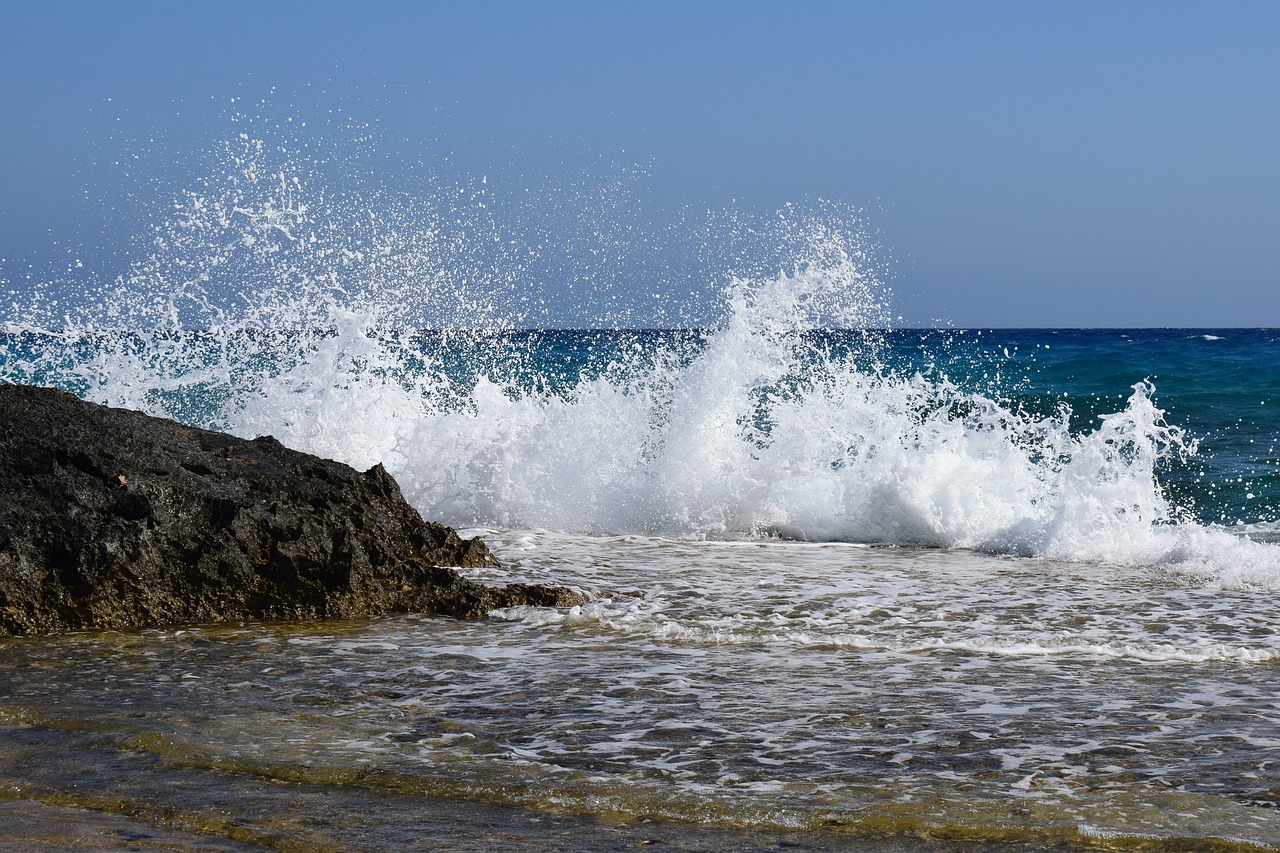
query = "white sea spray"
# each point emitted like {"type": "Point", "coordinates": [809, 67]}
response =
{"type": "Point", "coordinates": [267, 302]}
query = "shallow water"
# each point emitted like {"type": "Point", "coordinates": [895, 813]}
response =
{"type": "Point", "coordinates": [775, 691]}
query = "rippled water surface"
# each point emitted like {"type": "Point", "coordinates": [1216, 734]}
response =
{"type": "Point", "coordinates": [841, 692]}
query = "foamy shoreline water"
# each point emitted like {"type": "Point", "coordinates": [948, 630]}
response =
{"type": "Point", "coordinates": [1078, 657]}
{"type": "Point", "coordinates": [702, 700]}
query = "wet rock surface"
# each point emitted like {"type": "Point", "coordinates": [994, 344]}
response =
{"type": "Point", "coordinates": [110, 518]}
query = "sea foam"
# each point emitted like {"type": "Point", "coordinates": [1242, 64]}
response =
{"type": "Point", "coordinates": [267, 305]}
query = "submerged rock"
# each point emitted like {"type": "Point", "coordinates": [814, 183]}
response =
{"type": "Point", "coordinates": [112, 519]}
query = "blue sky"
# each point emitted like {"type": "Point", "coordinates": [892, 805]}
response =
{"type": "Point", "coordinates": [1024, 164]}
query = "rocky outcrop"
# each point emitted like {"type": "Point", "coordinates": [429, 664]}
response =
{"type": "Point", "coordinates": [113, 519]}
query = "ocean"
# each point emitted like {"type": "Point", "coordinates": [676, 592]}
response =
{"type": "Point", "coordinates": [854, 586]}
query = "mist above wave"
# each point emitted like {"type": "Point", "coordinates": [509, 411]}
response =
{"type": "Point", "coordinates": [269, 300]}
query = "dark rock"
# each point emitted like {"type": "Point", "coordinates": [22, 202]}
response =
{"type": "Point", "coordinates": [112, 519]}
